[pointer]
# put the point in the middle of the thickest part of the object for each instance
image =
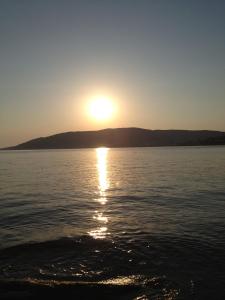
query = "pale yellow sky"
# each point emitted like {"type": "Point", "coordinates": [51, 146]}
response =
{"type": "Point", "coordinates": [161, 62]}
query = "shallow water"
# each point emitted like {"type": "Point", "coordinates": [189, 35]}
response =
{"type": "Point", "coordinates": [150, 219]}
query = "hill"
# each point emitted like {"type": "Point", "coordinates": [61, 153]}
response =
{"type": "Point", "coordinates": [124, 137]}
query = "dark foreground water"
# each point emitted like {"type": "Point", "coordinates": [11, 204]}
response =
{"type": "Point", "coordinates": [139, 223]}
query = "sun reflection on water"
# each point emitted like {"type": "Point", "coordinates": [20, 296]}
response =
{"type": "Point", "coordinates": [102, 173]}
{"type": "Point", "coordinates": [99, 233]}
{"type": "Point", "coordinates": [100, 217]}
{"type": "Point", "coordinates": [103, 185]}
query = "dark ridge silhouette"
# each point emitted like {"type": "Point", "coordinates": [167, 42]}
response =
{"type": "Point", "coordinates": [124, 137]}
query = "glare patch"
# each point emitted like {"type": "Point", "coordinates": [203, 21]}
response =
{"type": "Point", "coordinates": [100, 218]}
{"type": "Point", "coordinates": [99, 233]}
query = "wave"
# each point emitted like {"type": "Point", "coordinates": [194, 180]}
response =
{"type": "Point", "coordinates": [153, 267]}
{"type": "Point", "coordinates": [130, 287]}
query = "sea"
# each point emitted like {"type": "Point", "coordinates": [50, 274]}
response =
{"type": "Point", "coordinates": [119, 223]}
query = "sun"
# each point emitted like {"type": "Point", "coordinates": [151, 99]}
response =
{"type": "Point", "coordinates": [101, 108]}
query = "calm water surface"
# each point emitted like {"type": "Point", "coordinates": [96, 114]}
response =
{"type": "Point", "coordinates": [149, 220]}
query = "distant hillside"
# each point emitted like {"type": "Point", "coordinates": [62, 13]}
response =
{"type": "Point", "coordinates": [124, 137]}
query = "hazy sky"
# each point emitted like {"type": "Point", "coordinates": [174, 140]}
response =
{"type": "Point", "coordinates": [162, 63]}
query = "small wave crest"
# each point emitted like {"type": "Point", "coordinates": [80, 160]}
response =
{"type": "Point", "coordinates": [129, 287]}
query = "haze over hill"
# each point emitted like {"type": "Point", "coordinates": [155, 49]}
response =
{"type": "Point", "coordinates": [124, 137]}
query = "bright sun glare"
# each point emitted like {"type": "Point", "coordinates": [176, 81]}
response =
{"type": "Point", "coordinates": [101, 108]}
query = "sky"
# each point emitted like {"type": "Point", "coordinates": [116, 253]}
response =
{"type": "Point", "coordinates": [162, 63]}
